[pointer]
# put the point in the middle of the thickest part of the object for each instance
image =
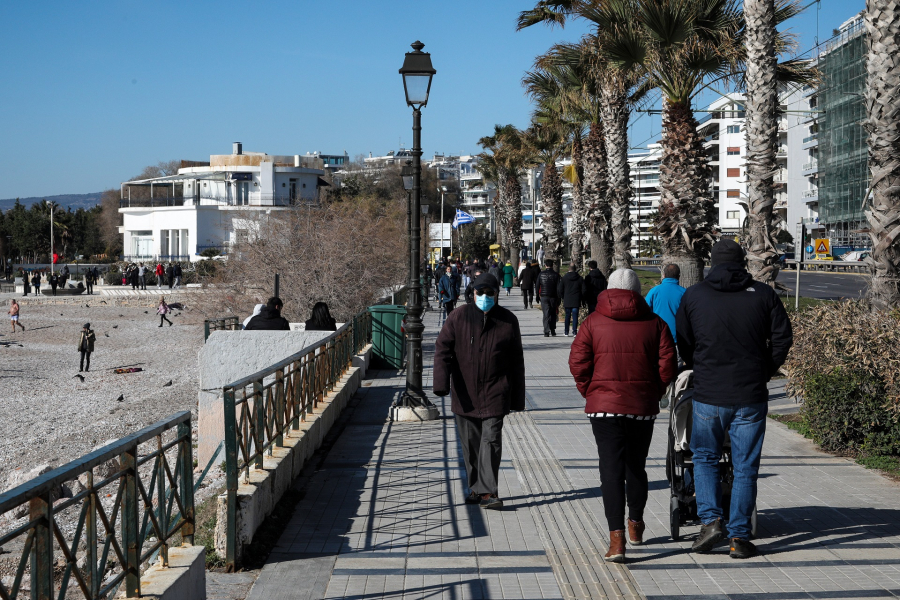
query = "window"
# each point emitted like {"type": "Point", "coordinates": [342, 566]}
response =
{"type": "Point", "coordinates": [733, 214]}
{"type": "Point", "coordinates": [734, 129]}
{"type": "Point", "coordinates": [734, 173]}
{"type": "Point", "coordinates": [734, 193]}
{"type": "Point", "coordinates": [734, 150]}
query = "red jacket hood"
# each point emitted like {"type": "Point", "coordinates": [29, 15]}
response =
{"type": "Point", "coordinates": [622, 305]}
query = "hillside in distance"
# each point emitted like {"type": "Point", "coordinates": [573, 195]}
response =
{"type": "Point", "coordinates": [65, 201]}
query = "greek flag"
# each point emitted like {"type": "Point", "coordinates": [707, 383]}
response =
{"type": "Point", "coordinates": [462, 218]}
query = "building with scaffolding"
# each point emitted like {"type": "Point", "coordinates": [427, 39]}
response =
{"type": "Point", "coordinates": [834, 154]}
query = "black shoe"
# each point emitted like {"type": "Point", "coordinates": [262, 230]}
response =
{"type": "Point", "coordinates": [473, 498]}
{"type": "Point", "coordinates": [710, 535]}
{"type": "Point", "coordinates": [553, 333]}
{"type": "Point", "coordinates": [491, 501]}
{"type": "Point", "coordinates": [546, 335]}
{"type": "Point", "coordinates": [742, 548]}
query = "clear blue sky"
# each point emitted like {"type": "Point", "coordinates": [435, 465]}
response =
{"type": "Point", "coordinates": [93, 92]}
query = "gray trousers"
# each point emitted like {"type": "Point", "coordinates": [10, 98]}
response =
{"type": "Point", "coordinates": [482, 446]}
{"type": "Point", "coordinates": [550, 306]}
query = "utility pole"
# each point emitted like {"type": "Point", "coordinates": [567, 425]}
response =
{"type": "Point", "coordinates": [52, 262]}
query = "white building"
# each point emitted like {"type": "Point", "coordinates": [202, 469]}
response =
{"type": "Point", "coordinates": [210, 206]}
{"type": "Point", "coordinates": [726, 143]}
{"type": "Point", "coordinates": [644, 173]}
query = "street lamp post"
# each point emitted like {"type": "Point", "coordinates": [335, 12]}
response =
{"type": "Point", "coordinates": [414, 404]}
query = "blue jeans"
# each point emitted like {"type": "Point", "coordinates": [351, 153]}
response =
{"type": "Point", "coordinates": [572, 313]}
{"type": "Point", "coordinates": [746, 425]}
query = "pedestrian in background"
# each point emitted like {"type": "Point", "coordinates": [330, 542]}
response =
{"type": "Point", "coordinates": [160, 273]}
{"type": "Point", "coordinates": [36, 283]}
{"type": "Point", "coordinates": [321, 319]}
{"type": "Point", "coordinates": [447, 292]}
{"type": "Point", "coordinates": [170, 275]}
{"type": "Point", "coordinates": [478, 359]}
{"type": "Point", "coordinates": [162, 310]}
{"type": "Point", "coordinates": [622, 361]}
{"type": "Point", "coordinates": [86, 346]}
{"type": "Point", "coordinates": [665, 298]}
{"type": "Point", "coordinates": [509, 274]}
{"type": "Point", "coordinates": [571, 291]}
{"type": "Point", "coordinates": [54, 282]}
{"type": "Point", "coordinates": [735, 335]}
{"type": "Point", "coordinates": [13, 313]}
{"type": "Point", "coordinates": [89, 281]}
{"type": "Point", "coordinates": [26, 283]}
{"type": "Point", "coordinates": [548, 292]}
{"type": "Point", "coordinates": [470, 289]}
{"type": "Point", "coordinates": [594, 284]}
{"type": "Point", "coordinates": [269, 317]}
{"type": "Point", "coordinates": [526, 284]}
{"type": "Point", "coordinates": [494, 270]}
{"type": "Point", "coordinates": [177, 272]}
{"type": "Point", "coordinates": [142, 276]}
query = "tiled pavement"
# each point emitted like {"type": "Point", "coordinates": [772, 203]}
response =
{"type": "Point", "coordinates": [383, 517]}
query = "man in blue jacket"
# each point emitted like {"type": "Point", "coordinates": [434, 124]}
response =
{"type": "Point", "coordinates": [665, 298]}
{"type": "Point", "coordinates": [735, 334]}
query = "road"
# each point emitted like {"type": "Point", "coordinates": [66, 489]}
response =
{"type": "Point", "coordinates": [819, 284]}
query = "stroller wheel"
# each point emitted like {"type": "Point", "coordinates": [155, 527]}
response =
{"type": "Point", "coordinates": [753, 522]}
{"type": "Point", "coordinates": [675, 518]}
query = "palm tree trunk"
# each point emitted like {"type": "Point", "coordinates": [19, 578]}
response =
{"type": "Point", "coordinates": [595, 196]}
{"type": "Point", "coordinates": [615, 116]}
{"type": "Point", "coordinates": [579, 206]}
{"type": "Point", "coordinates": [513, 229]}
{"type": "Point", "coordinates": [686, 216]}
{"type": "Point", "coordinates": [551, 195]}
{"type": "Point", "coordinates": [883, 126]}
{"type": "Point", "coordinates": [762, 136]}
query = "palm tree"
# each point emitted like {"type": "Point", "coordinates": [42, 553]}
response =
{"type": "Point", "coordinates": [883, 126]}
{"type": "Point", "coordinates": [547, 142]}
{"type": "Point", "coordinates": [507, 152]}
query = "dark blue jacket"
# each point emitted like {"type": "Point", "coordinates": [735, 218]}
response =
{"type": "Point", "coordinates": [447, 289]}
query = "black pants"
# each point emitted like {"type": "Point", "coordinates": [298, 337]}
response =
{"type": "Point", "coordinates": [482, 448]}
{"type": "Point", "coordinates": [528, 296]}
{"type": "Point", "coordinates": [164, 318]}
{"type": "Point", "coordinates": [550, 306]}
{"type": "Point", "coordinates": [591, 306]}
{"type": "Point", "coordinates": [85, 361]}
{"type": "Point", "coordinates": [622, 446]}
{"type": "Point", "coordinates": [89, 286]}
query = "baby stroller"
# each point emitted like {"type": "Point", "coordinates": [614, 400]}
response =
{"type": "Point", "coordinates": [679, 464]}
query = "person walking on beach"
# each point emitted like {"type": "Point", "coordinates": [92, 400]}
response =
{"type": "Point", "coordinates": [86, 346]}
{"type": "Point", "coordinates": [36, 283]}
{"type": "Point", "coordinates": [142, 276]}
{"type": "Point", "coordinates": [89, 281]}
{"type": "Point", "coordinates": [735, 334]}
{"type": "Point", "coordinates": [548, 292]}
{"type": "Point", "coordinates": [26, 283]}
{"type": "Point", "coordinates": [162, 310]}
{"type": "Point", "coordinates": [160, 275]}
{"type": "Point", "coordinates": [571, 292]}
{"type": "Point", "coordinates": [54, 282]}
{"type": "Point", "coordinates": [13, 313]}
{"type": "Point", "coordinates": [479, 361]}
{"type": "Point", "coordinates": [622, 361]}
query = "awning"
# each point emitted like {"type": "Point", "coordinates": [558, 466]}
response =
{"type": "Point", "coordinates": [215, 176]}
{"type": "Point", "coordinates": [320, 182]}
{"type": "Point", "coordinates": [494, 247]}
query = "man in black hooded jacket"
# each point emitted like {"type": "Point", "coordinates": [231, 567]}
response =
{"type": "Point", "coordinates": [735, 334]}
{"type": "Point", "coordinates": [269, 317]}
{"type": "Point", "coordinates": [594, 283]}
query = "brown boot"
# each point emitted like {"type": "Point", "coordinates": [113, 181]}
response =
{"type": "Point", "coordinates": [636, 532]}
{"type": "Point", "coordinates": [616, 552]}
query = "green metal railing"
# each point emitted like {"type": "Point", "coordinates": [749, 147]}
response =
{"type": "Point", "coordinates": [264, 407]}
{"type": "Point", "coordinates": [220, 324]}
{"type": "Point", "coordinates": [111, 538]}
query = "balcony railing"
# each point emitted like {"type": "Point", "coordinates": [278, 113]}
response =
{"type": "Point", "coordinates": [810, 193]}
{"type": "Point", "coordinates": [253, 199]}
{"type": "Point", "coordinates": [811, 166]}
{"type": "Point", "coordinates": [810, 138]}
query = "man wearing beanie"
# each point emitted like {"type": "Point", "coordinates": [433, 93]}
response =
{"type": "Point", "coordinates": [735, 334]}
{"type": "Point", "coordinates": [478, 359]}
{"type": "Point", "coordinates": [622, 360]}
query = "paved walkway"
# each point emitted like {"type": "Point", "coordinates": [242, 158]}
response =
{"type": "Point", "coordinates": [384, 516]}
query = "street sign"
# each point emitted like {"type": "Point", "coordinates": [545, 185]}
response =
{"type": "Point", "coordinates": [823, 246]}
{"type": "Point", "coordinates": [809, 249]}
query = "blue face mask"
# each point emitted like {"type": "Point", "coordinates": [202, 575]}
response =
{"type": "Point", "coordinates": [484, 302]}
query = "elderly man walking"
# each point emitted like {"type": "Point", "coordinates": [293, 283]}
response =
{"type": "Point", "coordinates": [478, 358]}
{"type": "Point", "coordinates": [735, 334]}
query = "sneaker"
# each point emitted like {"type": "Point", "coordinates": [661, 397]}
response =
{"type": "Point", "coordinates": [491, 501]}
{"type": "Point", "coordinates": [473, 498]}
{"type": "Point", "coordinates": [742, 548]}
{"type": "Point", "coordinates": [710, 535]}
{"type": "Point", "coordinates": [636, 532]}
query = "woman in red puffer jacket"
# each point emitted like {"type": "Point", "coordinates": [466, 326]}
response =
{"type": "Point", "coordinates": [622, 359]}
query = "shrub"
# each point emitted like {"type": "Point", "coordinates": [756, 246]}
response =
{"type": "Point", "coordinates": [844, 367]}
